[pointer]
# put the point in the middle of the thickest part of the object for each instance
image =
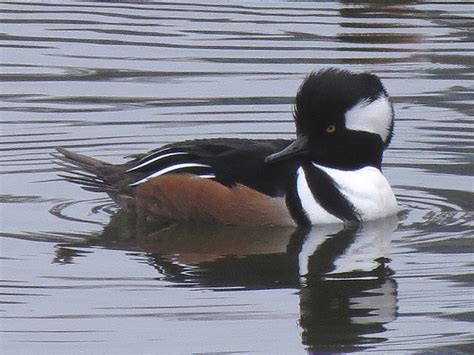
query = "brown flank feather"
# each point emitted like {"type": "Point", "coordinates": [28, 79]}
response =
{"type": "Point", "coordinates": [193, 199]}
{"type": "Point", "coordinates": [180, 197]}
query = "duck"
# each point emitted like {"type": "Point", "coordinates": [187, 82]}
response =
{"type": "Point", "coordinates": [331, 172]}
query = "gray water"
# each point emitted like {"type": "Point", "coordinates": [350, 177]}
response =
{"type": "Point", "coordinates": [109, 79]}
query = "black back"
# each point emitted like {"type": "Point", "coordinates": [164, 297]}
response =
{"type": "Point", "coordinates": [231, 160]}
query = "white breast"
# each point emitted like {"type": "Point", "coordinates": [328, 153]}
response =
{"type": "Point", "coordinates": [313, 209]}
{"type": "Point", "coordinates": [366, 189]}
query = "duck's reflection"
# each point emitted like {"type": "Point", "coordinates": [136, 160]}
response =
{"type": "Point", "coordinates": [335, 252]}
{"type": "Point", "coordinates": [346, 316]}
{"type": "Point", "coordinates": [346, 293]}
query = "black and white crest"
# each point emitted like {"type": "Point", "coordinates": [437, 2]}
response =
{"type": "Point", "coordinates": [357, 99]}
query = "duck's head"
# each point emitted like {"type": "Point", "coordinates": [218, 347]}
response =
{"type": "Point", "coordinates": [343, 120]}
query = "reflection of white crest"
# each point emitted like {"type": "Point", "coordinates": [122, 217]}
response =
{"type": "Point", "coordinates": [367, 244]}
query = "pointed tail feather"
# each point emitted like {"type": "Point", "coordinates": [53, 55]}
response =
{"type": "Point", "coordinates": [84, 162]}
{"type": "Point", "coordinates": [91, 174]}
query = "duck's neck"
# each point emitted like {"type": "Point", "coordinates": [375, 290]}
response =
{"type": "Point", "coordinates": [350, 151]}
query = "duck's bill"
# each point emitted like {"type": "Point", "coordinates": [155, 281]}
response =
{"type": "Point", "coordinates": [295, 149]}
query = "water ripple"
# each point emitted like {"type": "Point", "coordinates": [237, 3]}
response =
{"type": "Point", "coordinates": [108, 79]}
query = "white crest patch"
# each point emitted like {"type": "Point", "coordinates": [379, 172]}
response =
{"type": "Point", "coordinates": [374, 117]}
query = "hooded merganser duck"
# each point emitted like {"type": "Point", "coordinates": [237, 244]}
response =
{"type": "Point", "coordinates": [331, 173]}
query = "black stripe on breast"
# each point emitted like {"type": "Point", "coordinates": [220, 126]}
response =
{"type": "Point", "coordinates": [326, 192]}
{"type": "Point", "coordinates": [293, 203]}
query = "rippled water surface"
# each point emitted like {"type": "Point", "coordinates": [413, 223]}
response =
{"type": "Point", "coordinates": [109, 79]}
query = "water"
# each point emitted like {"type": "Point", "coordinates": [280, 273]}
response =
{"type": "Point", "coordinates": [111, 79]}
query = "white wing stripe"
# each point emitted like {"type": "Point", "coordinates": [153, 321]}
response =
{"type": "Point", "coordinates": [169, 169]}
{"type": "Point", "coordinates": [207, 176]}
{"type": "Point", "coordinates": [145, 163]}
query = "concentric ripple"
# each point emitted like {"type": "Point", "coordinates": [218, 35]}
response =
{"type": "Point", "coordinates": [108, 79]}
{"type": "Point", "coordinates": [95, 211]}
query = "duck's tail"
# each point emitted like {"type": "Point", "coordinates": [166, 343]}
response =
{"type": "Point", "coordinates": [92, 174]}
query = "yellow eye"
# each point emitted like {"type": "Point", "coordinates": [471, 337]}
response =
{"type": "Point", "coordinates": [331, 128]}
